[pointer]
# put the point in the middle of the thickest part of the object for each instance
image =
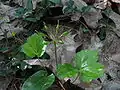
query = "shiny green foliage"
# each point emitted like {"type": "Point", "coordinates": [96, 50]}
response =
{"type": "Point", "coordinates": [86, 64]}
{"type": "Point", "coordinates": [39, 81]}
{"type": "Point", "coordinates": [89, 68]}
{"type": "Point", "coordinates": [66, 70]}
{"type": "Point", "coordinates": [35, 46]}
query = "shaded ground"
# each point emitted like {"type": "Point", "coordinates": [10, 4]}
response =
{"type": "Point", "coordinates": [108, 48]}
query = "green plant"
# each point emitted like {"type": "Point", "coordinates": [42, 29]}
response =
{"type": "Point", "coordinates": [33, 15]}
{"type": "Point", "coordinates": [73, 6]}
{"type": "Point", "coordinates": [56, 34]}
{"type": "Point", "coordinates": [39, 81]}
{"type": "Point", "coordinates": [35, 46]}
{"type": "Point", "coordinates": [86, 67]}
{"type": "Point", "coordinates": [25, 12]}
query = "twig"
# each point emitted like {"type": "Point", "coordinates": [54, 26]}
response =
{"type": "Point", "coordinates": [40, 62]}
{"type": "Point", "coordinates": [15, 87]}
{"type": "Point", "coordinates": [61, 85]}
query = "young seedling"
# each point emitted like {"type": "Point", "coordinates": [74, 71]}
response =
{"type": "Point", "coordinates": [35, 46]}
{"type": "Point", "coordinates": [56, 34]}
{"type": "Point", "coordinates": [86, 66]}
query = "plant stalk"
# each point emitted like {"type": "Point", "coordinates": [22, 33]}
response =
{"type": "Point", "coordinates": [55, 52]}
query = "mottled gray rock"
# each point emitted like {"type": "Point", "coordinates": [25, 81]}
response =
{"type": "Point", "coordinates": [112, 86]}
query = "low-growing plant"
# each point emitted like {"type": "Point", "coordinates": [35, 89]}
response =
{"type": "Point", "coordinates": [86, 66]}
{"type": "Point", "coordinates": [56, 34]}
{"type": "Point", "coordinates": [34, 14]}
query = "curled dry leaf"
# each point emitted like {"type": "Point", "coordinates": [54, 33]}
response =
{"type": "Point", "coordinates": [116, 18]}
{"type": "Point", "coordinates": [92, 18]}
{"type": "Point", "coordinates": [79, 4]}
{"type": "Point", "coordinates": [35, 3]}
{"type": "Point", "coordinates": [116, 1]}
{"type": "Point", "coordinates": [102, 4]}
{"type": "Point", "coordinates": [96, 44]}
{"type": "Point", "coordinates": [76, 16]}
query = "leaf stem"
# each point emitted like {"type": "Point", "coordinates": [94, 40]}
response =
{"type": "Point", "coordinates": [76, 77]}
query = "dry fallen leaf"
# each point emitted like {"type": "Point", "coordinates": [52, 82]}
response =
{"type": "Point", "coordinates": [102, 4]}
{"type": "Point", "coordinates": [116, 1]}
{"type": "Point", "coordinates": [92, 17]}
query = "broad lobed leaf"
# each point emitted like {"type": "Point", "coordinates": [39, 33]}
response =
{"type": "Point", "coordinates": [39, 81]}
{"type": "Point", "coordinates": [84, 57]}
{"type": "Point", "coordinates": [66, 71]}
{"type": "Point", "coordinates": [35, 46]}
{"type": "Point", "coordinates": [89, 68]}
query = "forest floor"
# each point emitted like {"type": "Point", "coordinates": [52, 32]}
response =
{"type": "Point", "coordinates": [14, 32]}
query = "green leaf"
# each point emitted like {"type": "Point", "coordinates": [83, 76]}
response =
{"type": "Point", "coordinates": [23, 65]}
{"type": "Point", "coordinates": [35, 46]}
{"type": "Point", "coordinates": [64, 34]}
{"type": "Point", "coordinates": [90, 72]}
{"type": "Point", "coordinates": [29, 5]}
{"type": "Point", "coordinates": [31, 19]}
{"type": "Point", "coordinates": [55, 1]}
{"type": "Point", "coordinates": [89, 68]}
{"type": "Point", "coordinates": [86, 9]}
{"type": "Point", "coordinates": [107, 21]}
{"type": "Point", "coordinates": [85, 56]}
{"type": "Point", "coordinates": [108, 11]}
{"type": "Point", "coordinates": [83, 28]}
{"type": "Point", "coordinates": [79, 4]}
{"type": "Point", "coordinates": [66, 70]}
{"type": "Point", "coordinates": [39, 81]}
{"type": "Point", "coordinates": [102, 33]}
{"type": "Point", "coordinates": [69, 7]}
{"type": "Point", "coordinates": [20, 12]}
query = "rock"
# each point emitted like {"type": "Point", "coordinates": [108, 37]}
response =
{"type": "Point", "coordinates": [116, 57]}
{"type": "Point", "coordinates": [113, 85]}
